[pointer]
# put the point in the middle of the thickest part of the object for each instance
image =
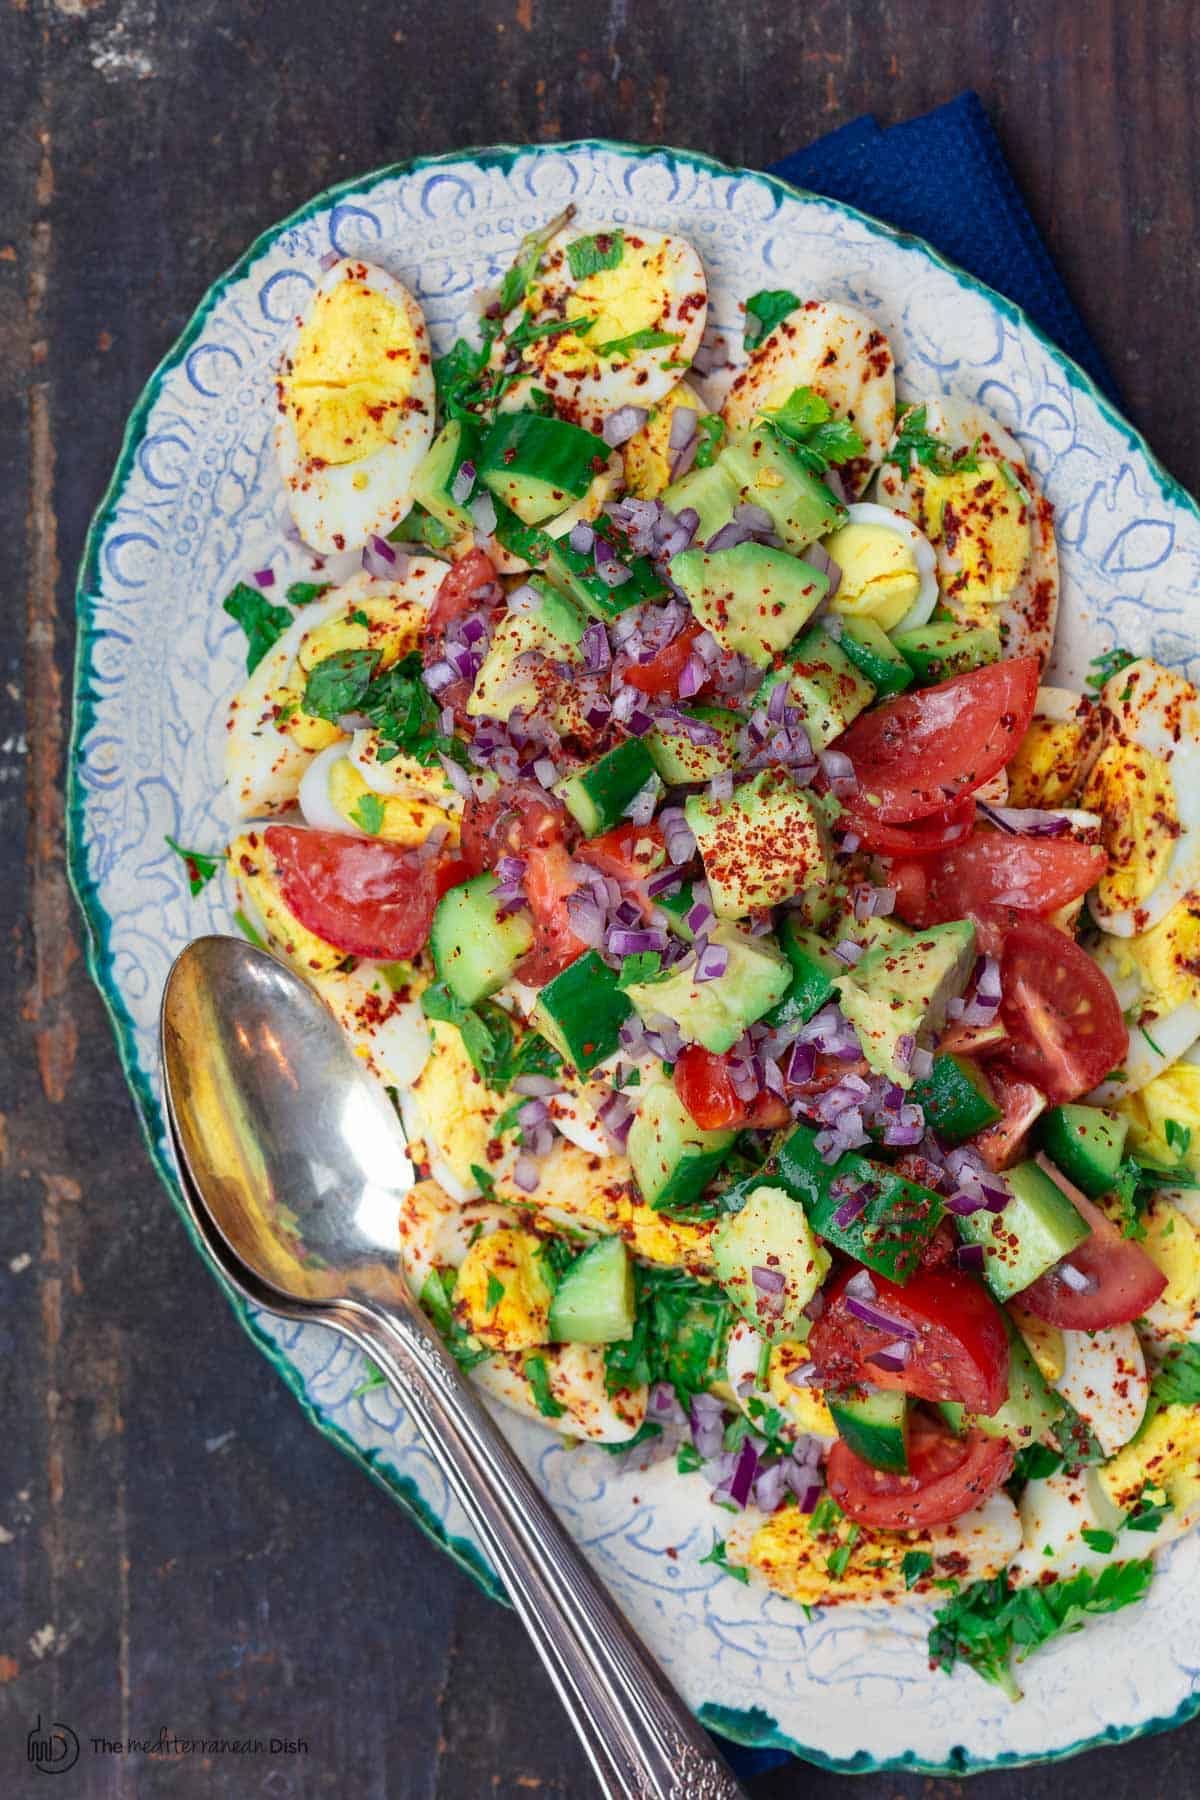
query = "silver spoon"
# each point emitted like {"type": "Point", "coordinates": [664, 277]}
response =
{"type": "Point", "coordinates": [293, 1177]}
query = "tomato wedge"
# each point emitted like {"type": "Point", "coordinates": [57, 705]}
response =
{"type": "Point", "coordinates": [1062, 1016]}
{"type": "Point", "coordinates": [947, 1477]}
{"type": "Point", "coordinates": [923, 838]}
{"type": "Point", "coordinates": [548, 881]}
{"type": "Point", "coordinates": [627, 852]}
{"type": "Point", "coordinates": [1021, 1105]}
{"type": "Point", "coordinates": [991, 868]}
{"type": "Point", "coordinates": [661, 674]}
{"type": "Point", "coordinates": [958, 1346]}
{"type": "Point", "coordinates": [703, 1083]}
{"type": "Point", "coordinates": [507, 824]}
{"type": "Point", "coordinates": [916, 754]}
{"type": "Point", "coordinates": [457, 593]}
{"type": "Point", "coordinates": [362, 895]}
{"type": "Point", "coordinates": [1122, 1281]}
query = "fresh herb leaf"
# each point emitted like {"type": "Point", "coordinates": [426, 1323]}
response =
{"type": "Point", "coordinates": [556, 1257]}
{"type": "Point", "coordinates": [262, 622]}
{"type": "Point", "coordinates": [338, 684]}
{"type": "Point", "coordinates": [303, 593]}
{"type": "Point", "coordinates": [527, 261]}
{"type": "Point", "coordinates": [1102, 1542]}
{"type": "Point", "coordinates": [838, 1560]}
{"type": "Point", "coordinates": [248, 932]}
{"type": "Point", "coordinates": [720, 1560]}
{"type": "Point", "coordinates": [813, 435]}
{"type": "Point", "coordinates": [494, 1293]}
{"type": "Point", "coordinates": [1179, 1137]}
{"type": "Point", "coordinates": [649, 339]}
{"type": "Point", "coordinates": [602, 250]}
{"type": "Point", "coordinates": [436, 1296]}
{"type": "Point", "coordinates": [1149, 1510]}
{"type": "Point", "coordinates": [914, 440]}
{"type": "Point", "coordinates": [485, 1181]}
{"type": "Point", "coordinates": [916, 1565]}
{"type": "Point", "coordinates": [419, 527]}
{"type": "Point", "coordinates": [199, 865]}
{"type": "Point", "coordinates": [645, 1431]}
{"type": "Point", "coordinates": [1129, 1196]}
{"type": "Point", "coordinates": [535, 1055]}
{"type": "Point", "coordinates": [1155, 1047]}
{"type": "Point", "coordinates": [406, 715]}
{"type": "Point", "coordinates": [711, 431]}
{"type": "Point", "coordinates": [764, 310]}
{"type": "Point", "coordinates": [680, 1327]}
{"type": "Point", "coordinates": [1177, 1381]}
{"type": "Point", "coordinates": [1108, 664]}
{"type": "Point", "coordinates": [538, 1376]}
{"type": "Point", "coordinates": [1075, 1438]}
{"type": "Point", "coordinates": [643, 966]}
{"type": "Point", "coordinates": [368, 814]}
{"type": "Point", "coordinates": [437, 1002]}
{"type": "Point", "coordinates": [374, 1378]}
{"type": "Point", "coordinates": [987, 1624]}
{"type": "Point", "coordinates": [687, 1459]}
{"type": "Point", "coordinates": [528, 331]}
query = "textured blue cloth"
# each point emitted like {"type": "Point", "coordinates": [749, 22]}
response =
{"type": "Point", "coordinates": [942, 177]}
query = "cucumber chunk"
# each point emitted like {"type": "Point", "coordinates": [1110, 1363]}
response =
{"type": "Point", "coordinates": [874, 1424]}
{"type": "Point", "coordinates": [538, 465]}
{"type": "Point", "coordinates": [475, 950]}
{"type": "Point", "coordinates": [582, 1011]}
{"type": "Point", "coordinates": [874, 655]}
{"type": "Point", "coordinates": [815, 973]}
{"type": "Point", "coordinates": [1037, 1228]}
{"type": "Point", "coordinates": [889, 1231]}
{"type": "Point", "coordinates": [598, 797]}
{"type": "Point", "coordinates": [768, 1261]}
{"type": "Point", "coordinates": [957, 1098]}
{"type": "Point", "coordinates": [673, 1159]}
{"type": "Point", "coordinates": [1029, 1409]}
{"type": "Point", "coordinates": [935, 652]}
{"type": "Point", "coordinates": [1086, 1144]}
{"type": "Point", "coordinates": [456, 443]}
{"type": "Point", "coordinates": [594, 1302]}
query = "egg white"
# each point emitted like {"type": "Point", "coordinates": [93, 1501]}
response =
{"type": "Point", "coordinates": [864, 512]}
{"type": "Point", "coordinates": [577, 1381]}
{"type": "Point", "coordinates": [1104, 1378]}
{"type": "Point", "coordinates": [342, 506]}
{"type": "Point", "coordinates": [1057, 1509]}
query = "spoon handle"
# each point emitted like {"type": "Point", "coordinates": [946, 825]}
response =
{"type": "Point", "coordinates": [642, 1740]}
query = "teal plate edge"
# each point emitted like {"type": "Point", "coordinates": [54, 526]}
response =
{"type": "Point", "coordinates": [751, 1727]}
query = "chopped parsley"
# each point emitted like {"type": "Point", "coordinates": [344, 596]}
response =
{"type": "Point", "coordinates": [526, 263]}
{"type": "Point", "coordinates": [529, 330]}
{"type": "Point", "coordinates": [987, 1624]}
{"type": "Point", "coordinates": [764, 310]}
{"type": "Point", "coordinates": [914, 440]}
{"type": "Point", "coordinates": [494, 1294]}
{"type": "Point", "coordinates": [303, 593]}
{"type": "Point", "coordinates": [537, 1375]}
{"type": "Point", "coordinates": [649, 339]}
{"type": "Point", "coordinates": [1102, 1542]}
{"type": "Point", "coordinates": [1149, 1510]}
{"type": "Point", "coordinates": [644, 965]}
{"type": "Point", "coordinates": [368, 814]}
{"type": "Point", "coordinates": [436, 1297]}
{"type": "Point", "coordinates": [1177, 1380]}
{"type": "Point", "coordinates": [916, 1565]}
{"type": "Point", "coordinates": [491, 1043]}
{"type": "Point", "coordinates": [679, 1332]}
{"type": "Point", "coordinates": [602, 250]}
{"type": "Point", "coordinates": [199, 865]}
{"type": "Point", "coordinates": [815, 438]}
{"type": "Point", "coordinates": [262, 622]}
{"type": "Point", "coordinates": [396, 702]}
{"type": "Point", "coordinates": [687, 1459]}
{"type": "Point", "coordinates": [1035, 1461]}
{"type": "Point", "coordinates": [718, 1557]}
{"type": "Point", "coordinates": [485, 1181]}
{"type": "Point", "coordinates": [337, 684]}
{"type": "Point", "coordinates": [374, 1378]}
{"type": "Point", "coordinates": [711, 432]}
{"type": "Point", "coordinates": [1107, 664]}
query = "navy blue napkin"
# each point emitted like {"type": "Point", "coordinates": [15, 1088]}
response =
{"type": "Point", "coordinates": [942, 177]}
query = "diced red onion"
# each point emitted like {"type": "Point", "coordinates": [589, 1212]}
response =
{"type": "Point", "coordinates": [850, 1208]}
{"type": "Point", "coordinates": [892, 1357]}
{"type": "Point", "coordinates": [526, 1174]}
{"type": "Point", "coordinates": [819, 558]}
{"type": "Point", "coordinates": [464, 481]}
{"type": "Point", "coordinates": [524, 599]}
{"type": "Point", "coordinates": [839, 772]}
{"type": "Point", "coordinates": [1075, 1279]}
{"type": "Point", "coordinates": [546, 771]}
{"type": "Point", "coordinates": [848, 953]}
{"type": "Point", "coordinates": [537, 1087]}
{"type": "Point", "coordinates": [768, 1281]}
{"type": "Point", "coordinates": [971, 1256]}
{"type": "Point", "coordinates": [802, 1064]}
{"type": "Point", "coordinates": [921, 1066]}
{"type": "Point", "coordinates": [721, 785]}
{"type": "Point", "coordinates": [330, 260]}
{"type": "Point", "coordinates": [622, 424]}
{"type": "Point", "coordinates": [871, 1314]}
{"type": "Point", "coordinates": [740, 1482]}
{"type": "Point", "coordinates": [635, 943]}
{"type": "Point", "coordinates": [1026, 821]}
{"type": "Point", "coordinates": [582, 538]}
{"type": "Point", "coordinates": [265, 577]}
{"type": "Point", "coordinates": [483, 513]}
{"type": "Point", "coordinates": [439, 675]}
{"type": "Point", "coordinates": [728, 537]}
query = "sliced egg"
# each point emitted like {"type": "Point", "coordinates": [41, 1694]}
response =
{"type": "Point", "coordinates": [888, 568]}
{"type": "Point", "coordinates": [843, 356]}
{"type": "Point", "coordinates": [646, 310]}
{"type": "Point", "coordinates": [648, 455]}
{"type": "Point", "coordinates": [804, 1409]}
{"type": "Point", "coordinates": [260, 896]}
{"type": "Point", "coordinates": [1055, 757]}
{"type": "Point", "coordinates": [335, 795]}
{"type": "Point", "coordinates": [436, 1231]}
{"type": "Point", "coordinates": [1055, 1512]}
{"type": "Point", "coordinates": [1145, 783]}
{"type": "Point", "coordinates": [355, 402]}
{"type": "Point", "coordinates": [378, 1005]}
{"type": "Point", "coordinates": [992, 530]}
{"type": "Point", "coordinates": [1172, 1242]}
{"type": "Point", "coordinates": [574, 1116]}
{"type": "Point", "coordinates": [577, 1381]}
{"type": "Point", "coordinates": [1104, 1378]}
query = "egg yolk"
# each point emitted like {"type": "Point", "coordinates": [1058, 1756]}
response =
{"type": "Point", "coordinates": [1173, 1244]}
{"type": "Point", "coordinates": [647, 454]}
{"type": "Point", "coordinates": [805, 1407]}
{"type": "Point", "coordinates": [1135, 796]}
{"type": "Point", "coordinates": [981, 520]}
{"type": "Point", "coordinates": [631, 297]}
{"type": "Point", "coordinates": [351, 373]}
{"type": "Point", "coordinates": [1166, 958]}
{"type": "Point", "coordinates": [405, 819]}
{"type": "Point", "coordinates": [1173, 1096]}
{"type": "Point", "coordinates": [1045, 770]}
{"type": "Point", "coordinates": [880, 578]}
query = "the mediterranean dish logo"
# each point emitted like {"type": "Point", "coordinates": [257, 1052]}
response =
{"type": "Point", "coordinates": [52, 1749]}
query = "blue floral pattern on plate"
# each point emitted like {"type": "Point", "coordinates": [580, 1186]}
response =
{"type": "Point", "coordinates": [194, 504]}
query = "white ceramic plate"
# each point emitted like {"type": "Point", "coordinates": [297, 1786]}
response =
{"type": "Point", "coordinates": [193, 506]}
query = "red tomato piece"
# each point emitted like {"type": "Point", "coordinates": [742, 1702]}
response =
{"type": "Point", "coordinates": [947, 1476]}
{"type": "Point", "coordinates": [661, 674]}
{"type": "Point", "coordinates": [362, 895]}
{"type": "Point", "coordinates": [458, 591]}
{"type": "Point", "coordinates": [1021, 1105]}
{"type": "Point", "coordinates": [509, 824]}
{"type": "Point", "coordinates": [1062, 1016]}
{"type": "Point", "coordinates": [916, 754]}
{"type": "Point", "coordinates": [1032, 875]}
{"type": "Point", "coordinates": [627, 852]}
{"type": "Point", "coordinates": [959, 1352]}
{"type": "Point", "coordinates": [703, 1083]}
{"type": "Point", "coordinates": [548, 881]}
{"type": "Point", "coordinates": [1122, 1280]}
{"type": "Point", "coordinates": [925, 837]}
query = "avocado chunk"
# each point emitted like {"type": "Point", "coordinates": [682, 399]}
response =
{"type": "Point", "coordinates": [894, 994]}
{"type": "Point", "coordinates": [594, 1302]}
{"type": "Point", "coordinates": [768, 1261]}
{"type": "Point", "coordinates": [673, 1160]}
{"type": "Point", "coordinates": [823, 685]}
{"type": "Point", "coordinates": [715, 1013]}
{"type": "Point", "coordinates": [766, 474]}
{"type": "Point", "coordinates": [873, 1422]}
{"type": "Point", "coordinates": [553, 629]}
{"type": "Point", "coordinates": [752, 598]}
{"type": "Point", "coordinates": [1037, 1228]}
{"type": "Point", "coordinates": [711, 492]}
{"type": "Point", "coordinates": [768, 841]}
{"type": "Point", "coordinates": [935, 652]}
{"type": "Point", "coordinates": [1029, 1409]}
{"type": "Point", "coordinates": [680, 759]}
{"type": "Point", "coordinates": [874, 655]}
{"type": "Point", "coordinates": [1086, 1144]}
{"type": "Point", "coordinates": [875, 933]}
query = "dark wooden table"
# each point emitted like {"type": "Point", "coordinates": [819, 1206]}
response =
{"type": "Point", "coordinates": [177, 1547]}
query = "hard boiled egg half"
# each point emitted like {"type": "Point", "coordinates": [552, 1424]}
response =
{"type": "Point", "coordinates": [355, 401]}
{"type": "Point", "coordinates": [888, 568]}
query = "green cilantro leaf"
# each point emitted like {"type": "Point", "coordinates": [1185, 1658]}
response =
{"type": "Point", "coordinates": [303, 593]}
{"type": "Point", "coordinates": [1177, 1380]}
{"type": "Point", "coordinates": [645, 1431]}
{"type": "Point", "coordinates": [602, 250]}
{"type": "Point", "coordinates": [644, 965]}
{"type": "Point", "coordinates": [494, 1294]}
{"type": "Point", "coordinates": [679, 1333]}
{"type": "Point", "coordinates": [649, 339]}
{"type": "Point", "coordinates": [528, 331]}
{"type": "Point", "coordinates": [338, 684]}
{"type": "Point", "coordinates": [1179, 1137]}
{"type": "Point", "coordinates": [538, 1376]}
{"type": "Point", "coordinates": [261, 621]}
{"type": "Point", "coordinates": [484, 1180]}
{"type": "Point", "coordinates": [687, 1459]}
{"type": "Point", "coordinates": [199, 865]}
{"type": "Point", "coordinates": [1102, 1542]}
{"type": "Point", "coordinates": [1035, 1461]}
{"type": "Point", "coordinates": [916, 1565]}
{"type": "Point", "coordinates": [368, 814]}
{"type": "Point", "coordinates": [436, 1296]}
{"type": "Point", "coordinates": [814, 436]}
{"type": "Point", "coordinates": [1108, 664]}
{"type": "Point", "coordinates": [717, 1556]}
{"type": "Point", "coordinates": [914, 440]}
{"type": "Point", "coordinates": [1148, 1511]}
{"type": "Point", "coordinates": [374, 1378]}
{"type": "Point", "coordinates": [764, 310]}
{"type": "Point", "coordinates": [711, 430]}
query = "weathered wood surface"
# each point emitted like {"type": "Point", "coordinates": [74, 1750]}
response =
{"type": "Point", "coordinates": [177, 1547]}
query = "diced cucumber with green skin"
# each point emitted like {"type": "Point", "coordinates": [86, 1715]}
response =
{"type": "Point", "coordinates": [765, 844]}
{"type": "Point", "coordinates": [456, 443]}
{"type": "Point", "coordinates": [900, 991]}
{"type": "Point", "coordinates": [594, 1303]}
{"type": "Point", "coordinates": [537, 464]}
{"type": "Point", "coordinates": [1027, 1413]}
{"type": "Point", "coordinates": [1086, 1144]}
{"type": "Point", "coordinates": [573, 572]}
{"type": "Point", "coordinates": [673, 1161]}
{"type": "Point", "coordinates": [890, 1231]}
{"type": "Point", "coordinates": [475, 950]}
{"type": "Point", "coordinates": [874, 655]}
{"type": "Point", "coordinates": [763, 472]}
{"type": "Point", "coordinates": [823, 685]}
{"type": "Point", "coordinates": [769, 1233]}
{"type": "Point", "coordinates": [582, 1011]}
{"type": "Point", "coordinates": [598, 797]}
{"type": "Point", "coordinates": [753, 599]}
{"type": "Point", "coordinates": [709, 492]}
{"type": "Point", "coordinates": [957, 1098]}
{"type": "Point", "coordinates": [554, 629]}
{"type": "Point", "coordinates": [874, 1424]}
{"type": "Point", "coordinates": [677, 906]}
{"type": "Point", "coordinates": [1037, 1228]}
{"type": "Point", "coordinates": [934, 652]}
{"type": "Point", "coordinates": [680, 761]}
{"type": "Point", "coordinates": [815, 976]}
{"type": "Point", "coordinates": [716, 1013]}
